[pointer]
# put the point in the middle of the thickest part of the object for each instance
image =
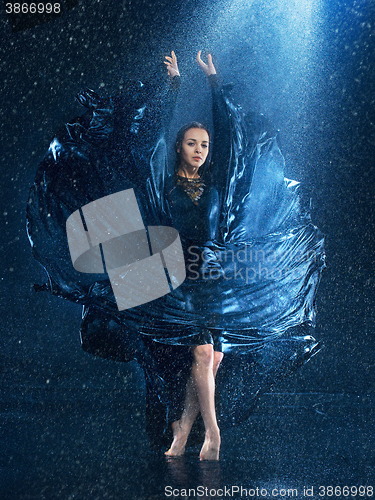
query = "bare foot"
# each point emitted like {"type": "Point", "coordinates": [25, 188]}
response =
{"type": "Point", "coordinates": [211, 448]}
{"type": "Point", "coordinates": [179, 440]}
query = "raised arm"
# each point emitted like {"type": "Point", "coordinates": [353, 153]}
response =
{"type": "Point", "coordinates": [221, 146]}
{"type": "Point", "coordinates": [152, 115]}
{"type": "Point", "coordinates": [174, 84]}
{"type": "Point", "coordinates": [157, 123]}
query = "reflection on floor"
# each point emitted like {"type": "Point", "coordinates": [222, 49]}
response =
{"type": "Point", "coordinates": [66, 441]}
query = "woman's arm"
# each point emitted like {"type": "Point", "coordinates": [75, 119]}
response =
{"type": "Point", "coordinates": [174, 85]}
{"type": "Point", "coordinates": [221, 146]}
{"type": "Point", "coordinates": [153, 116]}
{"type": "Point", "coordinates": [160, 117]}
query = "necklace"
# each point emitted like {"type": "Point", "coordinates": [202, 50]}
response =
{"type": "Point", "coordinates": [193, 187]}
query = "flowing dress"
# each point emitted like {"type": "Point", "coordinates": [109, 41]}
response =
{"type": "Point", "coordinates": [253, 256]}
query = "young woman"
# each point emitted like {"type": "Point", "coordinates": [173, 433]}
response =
{"type": "Point", "coordinates": [192, 147]}
{"type": "Point", "coordinates": [253, 257]}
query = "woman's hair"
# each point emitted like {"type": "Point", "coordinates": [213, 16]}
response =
{"type": "Point", "coordinates": [203, 170]}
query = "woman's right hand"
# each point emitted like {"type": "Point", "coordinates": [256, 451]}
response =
{"type": "Point", "coordinates": [209, 69]}
{"type": "Point", "coordinates": [172, 65]}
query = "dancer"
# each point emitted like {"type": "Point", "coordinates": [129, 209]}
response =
{"type": "Point", "coordinates": [192, 146]}
{"type": "Point", "coordinates": [253, 257]}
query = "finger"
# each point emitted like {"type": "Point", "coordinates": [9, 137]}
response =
{"type": "Point", "coordinates": [199, 56]}
{"type": "Point", "coordinates": [168, 64]}
{"type": "Point", "coordinates": [169, 58]}
{"type": "Point", "coordinates": [201, 64]}
{"type": "Point", "coordinates": [209, 57]}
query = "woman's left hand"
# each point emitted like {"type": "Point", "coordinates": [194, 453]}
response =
{"type": "Point", "coordinates": [209, 69]}
{"type": "Point", "coordinates": [172, 65]}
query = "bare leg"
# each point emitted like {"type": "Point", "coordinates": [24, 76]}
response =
{"type": "Point", "coordinates": [200, 395]}
{"type": "Point", "coordinates": [181, 428]}
{"type": "Point", "coordinates": [203, 376]}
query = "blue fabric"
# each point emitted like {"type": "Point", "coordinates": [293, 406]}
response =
{"type": "Point", "coordinates": [253, 263]}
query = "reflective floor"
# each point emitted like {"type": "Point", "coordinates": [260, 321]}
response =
{"type": "Point", "coordinates": [65, 440]}
{"type": "Point", "coordinates": [72, 425]}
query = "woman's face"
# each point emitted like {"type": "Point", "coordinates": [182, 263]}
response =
{"type": "Point", "coordinates": [194, 148]}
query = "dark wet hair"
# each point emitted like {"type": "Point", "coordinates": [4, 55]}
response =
{"type": "Point", "coordinates": [203, 170]}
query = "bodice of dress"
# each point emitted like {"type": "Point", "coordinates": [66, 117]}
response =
{"type": "Point", "coordinates": [194, 207]}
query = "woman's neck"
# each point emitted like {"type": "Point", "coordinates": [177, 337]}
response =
{"type": "Point", "coordinates": [188, 173]}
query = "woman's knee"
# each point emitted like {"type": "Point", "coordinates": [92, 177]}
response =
{"type": "Point", "coordinates": [204, 354]}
